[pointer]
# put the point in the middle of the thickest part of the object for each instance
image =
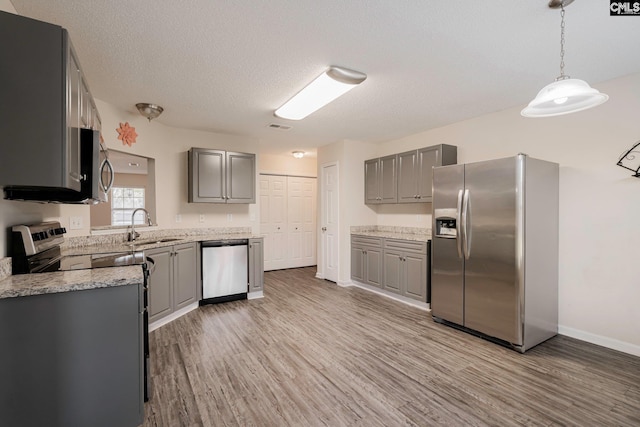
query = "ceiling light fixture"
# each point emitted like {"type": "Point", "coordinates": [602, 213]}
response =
{"type": "Point", "coordinates": [150, 111]}
{"type": "Point", "coordinates": [565, 95]}
{"type": "Point", "coordinates": [298, 154]}
{"type": "Point", "coordinates": [325, 88]}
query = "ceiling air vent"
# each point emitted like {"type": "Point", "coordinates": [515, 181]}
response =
{"type": "Point", "coordinates": [277, 126]}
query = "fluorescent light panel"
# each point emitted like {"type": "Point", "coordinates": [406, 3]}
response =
{"type": "Point", "coordinates": [325, 88]}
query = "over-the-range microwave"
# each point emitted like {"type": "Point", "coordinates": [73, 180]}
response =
{"type": "Point", "coordinates": [96, 178]}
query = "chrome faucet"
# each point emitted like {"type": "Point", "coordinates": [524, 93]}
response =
{"type": "Point", "coordinates": [133, 235]}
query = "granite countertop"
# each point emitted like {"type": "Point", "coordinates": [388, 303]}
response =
{"type": "Point", "coordinates": [144, 243]}
{"type": "Point", "coordinates": [388, 232]}
{"type": "Point", "coordinates": [21, 285]}
{"type": "Point", "coordinates": [76, 280]}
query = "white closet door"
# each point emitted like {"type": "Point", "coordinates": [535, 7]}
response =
{"type": "Point", "coordinates": [273, 220]}
{"type": "Point", "coordinates": [301, 219]}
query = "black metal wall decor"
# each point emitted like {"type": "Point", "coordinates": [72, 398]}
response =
{"type": "Point", "coordinates": [631, 160]}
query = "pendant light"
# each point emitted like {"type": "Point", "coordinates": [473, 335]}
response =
{"type": "Point", "coordinates": [565, 95]}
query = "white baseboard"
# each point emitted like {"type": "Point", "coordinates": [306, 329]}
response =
{"type": "Point", "coordinates": [344, 283]}
{"type": "Point", "coordinates": [173, 316]}
{"type": "Point", "coordinates": [254, 295]}
{"type": "Point", "coordinates": [319, 275]}
{"type": "Point", "coordinates": [399, 298]}
{"type": "Point", "coordinates": [603, 341]}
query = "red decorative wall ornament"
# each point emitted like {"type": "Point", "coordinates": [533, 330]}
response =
{"type": "Point", "coordinates": [127, 134]}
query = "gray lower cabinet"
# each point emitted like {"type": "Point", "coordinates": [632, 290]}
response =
{"type": "Point", "coordinates": [380, 180]}
{"type": "Point", "coordinates": [366, 260]}
{"type": "Point", "coordinates": [256, 265]}
{"type": "Point", "coordinates": [218, 176]}
{"type": "Point", "coordinates": [415, 171]}
{"type": "Point", "coordinates": [405, 268]}
{"type": "Point", "coordinates": [174, 282]}
{"type": "Point", "coordinates": [72, 358]}
{"type": "Point", "coordinates": [398, 266]}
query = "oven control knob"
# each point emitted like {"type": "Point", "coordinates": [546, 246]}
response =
{"type": "Point", "coordinates": [43, 235]}
{"type": "Point", "coordinates": [35, 236]}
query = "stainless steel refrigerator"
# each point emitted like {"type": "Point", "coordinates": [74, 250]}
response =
{"type": "Point", "coordinates": [495, 249]}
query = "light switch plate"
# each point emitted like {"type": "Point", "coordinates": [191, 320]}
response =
{"type": "Point", "coordinates": [201, 217]}
{"type": "Point", "coordinates": [75, 222]}
{"type": "Point", "coordinates": [178, 218]}
{"type": "Point", "coordinates": [229, 217]}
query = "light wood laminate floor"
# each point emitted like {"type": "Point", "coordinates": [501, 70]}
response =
{"type": "Point", "coordinates": [311, 354]}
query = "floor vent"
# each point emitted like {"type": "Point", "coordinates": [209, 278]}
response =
{"type": "Point", "coordinates": [277, 126]}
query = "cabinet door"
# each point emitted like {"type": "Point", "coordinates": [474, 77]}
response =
{"type": "Point", "coordinates": [427, 159]}
{"type": "Point", "coordinates": [415, 276]}
{"type": "Point", "coordinates": [256, 265]}
{"type": "Point", "coordinates": [85, 106]}
{"type": "Point", "coordinates": [372, 181]}
{"type": "Point", "coordinates": [373, 266]}
{"type": "Point", "coordinates": [206, 176]}
{"type": "Point", "coordinates": [74, 94]}
{"type": "Point", "coordinates": [388, 179]}
{"type": "Point", "coordinates": [241, 178]}
{"type": "Point", "coordinates": [408, 177]}
{"type": "Point", "coordinates": [160, 284]}
{"type": "Point", "coordinates": [185, 279]}
{"type": "Point", "coordinates": [357, 263]}
{"type": "Point", "coordinates": [392, 270]}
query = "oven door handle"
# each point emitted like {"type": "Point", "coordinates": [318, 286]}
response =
{"type": "Point", "coordinates": [151, 265]}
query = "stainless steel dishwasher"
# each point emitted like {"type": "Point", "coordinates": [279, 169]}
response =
{"type": "Point", "coordinates": [225, 274]}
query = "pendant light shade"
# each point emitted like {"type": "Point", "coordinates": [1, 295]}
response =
{"type": "Point", "coordinates": [564, 97]}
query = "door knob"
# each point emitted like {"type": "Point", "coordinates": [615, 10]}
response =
{"type": "Point", "coordinates": [324, 228]}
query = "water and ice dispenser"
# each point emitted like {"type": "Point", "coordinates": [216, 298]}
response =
{"type": "Point", "coordinates": [446, 223]}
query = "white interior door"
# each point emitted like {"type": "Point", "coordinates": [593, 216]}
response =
{"type": "Point", "coordinates": [301, 219]}
{"type": "Point", "coordinates": [329, 221]}
{"type": "Point", "coordinates": [273, 220]}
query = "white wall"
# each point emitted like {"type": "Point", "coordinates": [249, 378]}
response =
{"type": "Point", "coordinates": [287, 165]}
{"type": "Point", "coordinates": [599, 203]}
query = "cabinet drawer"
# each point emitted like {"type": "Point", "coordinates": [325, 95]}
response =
{"type": "Point", "coordinates": [406, 245]}
{"type": "Point", "coordinates": [366, 240]}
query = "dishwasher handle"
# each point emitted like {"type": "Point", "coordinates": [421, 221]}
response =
{"type": "Point", "coordinates": [218, 243]}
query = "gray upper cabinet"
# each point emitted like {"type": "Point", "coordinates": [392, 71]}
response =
{"type": "Point", "coordinates": [380, 180]}
{"type": "Point", "coordinates": [45, 101]}
{"type": "Point", "coordinates": [415, 171]}
{"type": "Point", "coordinates": [218, 176]}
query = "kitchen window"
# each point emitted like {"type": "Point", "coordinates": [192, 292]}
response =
{"type": "Point", "coordinates": [123, 202]}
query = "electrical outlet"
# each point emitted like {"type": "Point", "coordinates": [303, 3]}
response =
{"type": "Point", "coordinates": [229, 217]}
{"type": "Point", "coordinates": [75, 222]}
{"type": "Point", "coordinates": [201, 217]}
{"type": "Point", "coordinates": [178, 218]}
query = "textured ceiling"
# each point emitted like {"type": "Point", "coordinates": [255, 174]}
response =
{"type": "Point", "coordinates": [225, 66]}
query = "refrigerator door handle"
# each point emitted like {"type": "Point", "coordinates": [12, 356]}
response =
{"type": "Point", "coordinates": [459, 224]}
{"type": "Point", "coordinates": [466, 246]}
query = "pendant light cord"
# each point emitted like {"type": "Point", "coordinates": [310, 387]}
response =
{"type": "Point", "coordinates": [562, 76]}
